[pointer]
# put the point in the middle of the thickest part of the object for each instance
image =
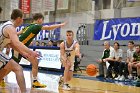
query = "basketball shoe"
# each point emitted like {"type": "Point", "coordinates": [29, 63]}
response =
{"type": "Point", "coordinates": [37, 84]}
{"type": "Point", "coordinates": [66, 87]}
{"type": "Point", "coordinates": [2, 83]}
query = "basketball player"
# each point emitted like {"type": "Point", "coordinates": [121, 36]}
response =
{"type": "Point", "coordinates": [8, 37]}
{"type": "Point", "coordinates": [26, 37]}
{"type": "Point", "coordinates": [2, 83]}
{"type": "Point", "coordinates": [69, 49]}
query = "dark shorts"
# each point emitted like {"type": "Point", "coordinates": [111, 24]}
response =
{"type": "Point", "coordinates": [16, 56]}
{"type": "Point", "coordinates": [4, 59]}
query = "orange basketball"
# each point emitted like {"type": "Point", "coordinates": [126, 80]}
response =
{"type": "Point", "coordinates": [91, 70]}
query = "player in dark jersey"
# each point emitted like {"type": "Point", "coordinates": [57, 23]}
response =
{"type": "Point", "coordinates": [26, 36]}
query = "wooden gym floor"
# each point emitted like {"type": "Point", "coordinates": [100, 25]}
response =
{"type": "Point", "coordinates": [81, 83]}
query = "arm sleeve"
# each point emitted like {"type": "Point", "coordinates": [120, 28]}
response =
{"type": "Point", "coordinates": [37, 28]}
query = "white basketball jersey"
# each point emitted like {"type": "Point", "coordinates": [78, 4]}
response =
{"type": "Point", "coordinates": [3, 39]}
{"type": "Point", "coordinates": [70, 51]}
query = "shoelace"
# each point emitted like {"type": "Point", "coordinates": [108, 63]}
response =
{"type": "Point", "coordinates": [68, 85]}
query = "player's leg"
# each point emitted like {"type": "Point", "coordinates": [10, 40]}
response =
{"type": "Point", "coordinates": [4, 73]}
{"type": "Point", "coordinates": [138, 72]}
{"type": "Point", "coordinates": [70, 73]}
{"type": "Point", "coordinates": [11, 65]}
{"type": "Point", "coordinates": [36, 83]}
{"type": "Point", "coordinates": [130, 70]}
{"type": "Point", "coordinates": [66, 71]}
{"type": "Point", "coordinates": [2, 83]}
{"type": "Point", "coordinates": [17, 69]}
{"type": "Point", "coordinates": [34, 63]}
{"type": "Point", "coordinates": [66, 75]}
{"type": "Point", "coordinates": [17, 57]}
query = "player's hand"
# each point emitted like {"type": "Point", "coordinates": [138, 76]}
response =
{"type": "Point", "coordinates": [99, 60]}
{"type": "Point", "coordinates": [39, 55]}
{"type": "Point", "coordinates": [34, 54]}
{"type": "Point", "coordinates": [104, 60]}
{"type": "Point", "coordinates": [134, 62]}
{"type": "Point", "coordinates": [26, 55]}
{"type": "Point", "coordinates": [63, 24]}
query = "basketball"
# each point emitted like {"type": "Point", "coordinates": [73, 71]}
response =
{"type": "Point", "coordinates": [91, 70]}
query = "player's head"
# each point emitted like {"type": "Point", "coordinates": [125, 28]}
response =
{"type": "Point", "coordinates": [17, 17]}
{"type": "Point", "coordinates": [130, 44]}
{"type": "Point", "coordinates": [106, 44]}
{"type": "Point", "coordinates": [0, 9]}
{"type": "Point", "coordinates": [69, 34]}
{"type": "Point", "coordinates": [116, 45]}
{"type": "Point", "coordinates": [138, 48]}
{"type": "Point", "coordinates": [38, 17]}
{"type": "Point", "coordinates": [50, 43]}
{"type": "Point", "coordinates": [37, 43]}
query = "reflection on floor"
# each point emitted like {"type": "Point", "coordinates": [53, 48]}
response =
{"type": "Point", "coordinates": [48, 79]}
{"type": "Point", "coordinates": [81, 83]}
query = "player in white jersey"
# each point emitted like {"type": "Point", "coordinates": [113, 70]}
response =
{"type": "Point", "coordinates": [8, 37]}
{"type": "Point", "coordinates": [69, 49]}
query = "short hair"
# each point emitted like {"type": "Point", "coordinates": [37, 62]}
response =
{"type": "Point", "coordinates": [137, 46]}
{"type": "Point", "coordinates": [37, 41]}
{"type": "Point", "coordinates": [16, 13]}
{"type": "Point", "coordinates": [51, 41]}
{"type": "Point", "coordinates": [107, 42]}
{"type": "Point", "coordinates": [70, 31]}
{"type": "Point", "coordinates": [131, 42]}
{"type": "Point", "coordinates": [0, 9]}
{"type": "Point", "coordinates": [117, 44]}
{"type": "Point", "coordinates": [37, 16]}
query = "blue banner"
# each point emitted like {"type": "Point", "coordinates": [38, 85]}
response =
{"type": "Point", "coordinates": [51, 35]}
{"type": "Point", "coordinates": [117, 29]}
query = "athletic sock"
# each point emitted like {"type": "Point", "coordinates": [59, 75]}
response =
{"type": "Point", "coordinates": [34, 79]}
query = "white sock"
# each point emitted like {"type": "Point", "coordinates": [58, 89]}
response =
{"type": "Point", "coordinates": [34, 78]}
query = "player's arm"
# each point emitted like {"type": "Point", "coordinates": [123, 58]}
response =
{"type": "Point", "coordinates": [118, 59]}
{"type": "Point", "coordinates": [16, 44]}
{"type": "Point", "coordinates": [133, 59]}
{"type": "Point", "coordinates": [128, 59]}
{"type": "Point", "coordinates": [7, 50]}
{"type": "Point", "coordinates": [19, 32]}
{"type": "Point", "coordinates": [77, 50]}
{"type": "Point", "coordinates": [62, 52]}
{"type": "Point", "coordinates": [51, 27]}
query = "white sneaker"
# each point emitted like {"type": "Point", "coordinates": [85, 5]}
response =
{"type": "Point", "coordinates": [66, 87]}
{"type": "Point", "coordinates": [130, 77]}
{"type": "Point", "coordinates": [122, 78]}
{"type": "Point", "coordinates": [117, 78]}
